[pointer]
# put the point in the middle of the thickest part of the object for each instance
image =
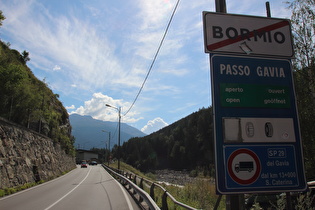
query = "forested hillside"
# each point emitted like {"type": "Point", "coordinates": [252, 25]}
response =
{"type": "Point", "coordinates": [303, 28]}
{"type": "Point", "coordinates": [304, 87]}
{"type": "Point", "coordinates": [28, 101]}
{"type": "Point", "coordinates": [186, 144]}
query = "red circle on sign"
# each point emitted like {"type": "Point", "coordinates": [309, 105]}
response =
{"type": "Point", "coordinates": [230, 167]}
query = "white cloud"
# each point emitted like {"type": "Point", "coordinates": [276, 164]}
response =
{"type": "Point", "coordinates": [153, 12]}
{"type": "Point", "coordinates": [70, 107]}
{"type": "Point", "coordinates": [96, 108]}
{"type": "Point", "coordinates": [57, 68]}
{"type": "Point", "coordinates": [154, 125]}
{"type": "Point", "coordinates": [86, 54]}
{"type": "Point", "coordinates": [89, 56]}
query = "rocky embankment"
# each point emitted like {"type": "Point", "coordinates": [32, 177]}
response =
{"type": "Point", "coordinates": [179, 178]}
{"type": "Point", "coordinates": [26, 156]}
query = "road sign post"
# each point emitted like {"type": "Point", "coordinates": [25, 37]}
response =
{"type": "Point", "coordinates": [257, 138]}
{"type": "Point", "coordinates": [258, 145]}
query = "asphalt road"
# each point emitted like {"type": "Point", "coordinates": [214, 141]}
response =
{"type": "Point", "coordinates": [83, 188]}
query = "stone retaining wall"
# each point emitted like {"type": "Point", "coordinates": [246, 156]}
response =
{"type": "Point", "coordinates": [27, 156]}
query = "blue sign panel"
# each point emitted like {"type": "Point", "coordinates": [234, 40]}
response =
{"type": "Point", "coordinates": [275, 167]}
{"type": "Point", "coordinates": [258, 144]}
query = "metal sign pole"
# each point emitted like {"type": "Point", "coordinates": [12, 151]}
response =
{"type": "Point", "coordinates": [218, 202]}
{"type": "Point", "coordinates": [220, 6]}
{"type": "Point", "coordinates": [268, 9]}
{"type": "Point", "coordinates": [231, 200]}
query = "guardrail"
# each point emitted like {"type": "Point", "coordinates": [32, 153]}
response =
{"type": "Point", "coordinates": [138, 183]}
{"type": "Point", "coordinates": [143, 196]}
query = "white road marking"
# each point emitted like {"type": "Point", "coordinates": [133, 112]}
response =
{"type": "Point", "coordinates": [125, 194]}
{"type": "Point", "coordinates": [36, 186]}
{"type": "Point", "coordinates": [69, 191]}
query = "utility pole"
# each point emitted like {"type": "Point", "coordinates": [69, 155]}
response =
{"type": "Point", "coordinates": [119, 116]}
{"type": "Point", "coordinates": [108, 159]}
{"type": "Point", "coordinates": [108, 148]}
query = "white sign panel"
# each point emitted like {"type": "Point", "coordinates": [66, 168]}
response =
{"type": "Point", "coordinates": [258, 130]}
{"type": "Point", "coordinates": [251, 35]}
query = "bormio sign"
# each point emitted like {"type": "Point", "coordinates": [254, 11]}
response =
{"type": "Point", "coordinates": [247, 35]}
{"type": "Point", "coordinates": [257, 138]}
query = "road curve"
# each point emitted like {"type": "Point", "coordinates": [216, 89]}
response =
{"type": "Point", "coordinates": [82, 188]}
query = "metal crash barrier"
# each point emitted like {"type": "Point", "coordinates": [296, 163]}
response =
{"type": "Point", "coordinates": [137, 183]}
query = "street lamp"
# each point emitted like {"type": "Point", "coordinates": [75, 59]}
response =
{"type": "Point", "coordinates": [119, 117]}
{"type": "Point", "coordinates": [108, 143]}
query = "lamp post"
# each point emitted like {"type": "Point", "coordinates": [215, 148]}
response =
{"type": "Point", "coordinates": [119, 117]}
{"type": "Point", "coordinates": [108, 144]}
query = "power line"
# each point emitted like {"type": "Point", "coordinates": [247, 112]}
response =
{"type": "Point", "coordinates": [153, 61]}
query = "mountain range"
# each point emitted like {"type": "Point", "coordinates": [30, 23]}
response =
{"type": "Point", "coordinates": [89, 132]}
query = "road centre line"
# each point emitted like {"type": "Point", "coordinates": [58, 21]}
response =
{"type": "Point", "coordinates": [69, 191]}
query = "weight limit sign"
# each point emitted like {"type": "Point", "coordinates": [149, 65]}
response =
{"type": "Point", "coordinates": [244, 166]}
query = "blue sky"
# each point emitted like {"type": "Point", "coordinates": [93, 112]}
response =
{"type": "Point", "coordinates": [97, 52]}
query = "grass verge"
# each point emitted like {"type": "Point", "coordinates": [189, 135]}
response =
{"type": "Point", "coordinates": [200, 194]}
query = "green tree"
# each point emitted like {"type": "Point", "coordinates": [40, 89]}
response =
{"type": "Point", "coordinates": [303, 27]}
{"type": "Point", "coordinates": [29, 102]}
{"type": "Point", "coordinates": [307, 118]}
{"type": "Point", "coordinates": [25, 57]}
{"type": "Point", "coordinates": [13, 80]}
{"type": "Point", "coordinates": [186, 144]}
{"type": "Point", "coordinates": [2, 17]}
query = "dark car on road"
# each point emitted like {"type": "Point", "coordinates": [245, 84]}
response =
{"type": "Point", "coordinates": [93, 163]}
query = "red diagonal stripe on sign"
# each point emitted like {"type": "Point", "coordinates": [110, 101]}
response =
{"type": "Point", "coordinates": [249, 35]}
